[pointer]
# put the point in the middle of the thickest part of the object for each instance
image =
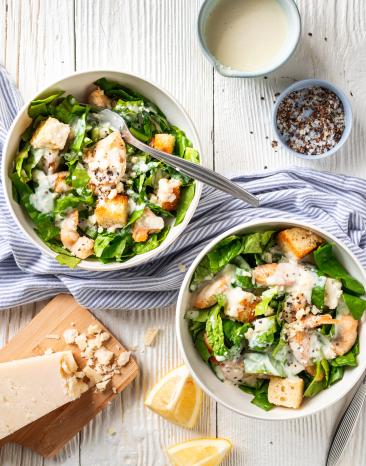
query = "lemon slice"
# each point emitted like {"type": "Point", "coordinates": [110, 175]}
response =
{"type": "Point", "coordinates": [199, 452]}
{"type": "Point", "coordinates": [176, 397]}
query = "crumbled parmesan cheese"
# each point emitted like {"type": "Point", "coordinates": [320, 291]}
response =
{"type": "Point", "coordinates": [123, 358]}
{"type": "Point", "coordinates": [150, 336]}
{"type": "Point", "coordinates": [69, 335]}
{"type": "Point", "coordinates": [94, 329]}
{"type": "Point", "coordinates": [103, 356]}
{"type": "Point", "coordinates": [101, 386]}
{"type": "Point", "coordinates": [81, 341]}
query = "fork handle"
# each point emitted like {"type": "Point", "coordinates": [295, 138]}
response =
{"type": "Point", "coordinates": [197, 172]}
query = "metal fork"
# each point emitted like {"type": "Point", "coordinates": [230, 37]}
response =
{"type": "Point", "coordinates": [196, 172]}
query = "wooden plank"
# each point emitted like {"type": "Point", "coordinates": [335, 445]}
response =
{"type": "Point", "coordinates": [243, 108]}
{"type": "Point", "coordinates": [39, 42]}
{"type": "Point", "coordinates": [156, 40]}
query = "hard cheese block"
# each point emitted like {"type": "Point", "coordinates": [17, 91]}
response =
{"type": "Point", "coordinates": [33, 387]}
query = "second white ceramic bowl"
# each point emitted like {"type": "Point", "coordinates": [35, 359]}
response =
{"type": "Point", "coordinates": [78, 84]}
{"type": "Point", "coordinates": [231, 396]}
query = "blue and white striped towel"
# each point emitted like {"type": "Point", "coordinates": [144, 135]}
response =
{"type": "Point", "coordinates": [336, 203]}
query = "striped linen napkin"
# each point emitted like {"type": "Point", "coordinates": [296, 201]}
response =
{"type": "Point", "coordinates": [333, 202]}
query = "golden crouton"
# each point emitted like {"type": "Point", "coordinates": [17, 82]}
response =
{"type": "Point", "coordinates": [60, 185]}
{"type": "Point", "coordinates": [99, 99]}
{"type": "Point", "coordinates": [146, 224]}
{"type": "Point", "coordinates": [286, 392]}
{"type": "Point", "coordinates": [298, 241]}
{"type": "Point", "coordinates": [112, 212]}
{"type": "Point", "coordinates": [50, 134]}
{"type": "Point", "coordinates": [163, 142]}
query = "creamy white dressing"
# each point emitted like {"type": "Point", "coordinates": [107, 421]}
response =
{"type": "Point", "coordinates": [247, 35]}
{"type": "Point", "coordinates": [43, 198]}
{"type": "Point", "coordinates": [333, 292]}
{"type": "Point", "coordinates": [261, 326]}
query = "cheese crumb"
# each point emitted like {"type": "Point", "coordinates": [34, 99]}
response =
{"type": "Point", "coordinates": [94, 329]}
{"type": "Point", "coordinates": [69, 335]}
{"type": "Point", "coordinates": [104, 356]}
{"type": "Point", "coordinates": [101, 386]}
{"type": "Point", "coordinates": [49, 351]}
{"type": "Point", "coordinates": [81, 341]}
{"type": "Point", "coordinates": [123, 358]}
{"type": "Point", "coordinates": [150, 336]}
{"type": "Point", "coordinates": [92, 375]}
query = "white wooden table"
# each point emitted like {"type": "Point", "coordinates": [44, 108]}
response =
{"type": "Point", "coordinates": [41, 40]}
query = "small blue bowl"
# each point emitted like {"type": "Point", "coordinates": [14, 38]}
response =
{"type": "Point", "coordinates": [306, 83]}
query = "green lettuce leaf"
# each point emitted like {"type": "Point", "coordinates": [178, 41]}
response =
{"type": "Point", "coordinates": [215, 330]}
{"type": "Point", "coordinates": [329, 265]}
{"type": "Point", "coordinates": [355, 305]}
{"type": "Point", "coordinates": [69, 261]}
{"type": "Point", "coordinates": [234, 331]}
{"type": "Point", "coordinates": [184, 202]}
{"type": "Point", "coordinates": [255, 243]}
{"type": "Point", "coordinates": [201, 347]}
{"type": "Point", "coordinates": [262, 307]}
{"type": "Point", "coordinates": [41, 106]}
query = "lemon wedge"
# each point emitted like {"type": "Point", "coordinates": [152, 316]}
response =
{"type": "Point", "coordinates": [176, 397]}
{"type": "Point", "coordinates": [199, 452]}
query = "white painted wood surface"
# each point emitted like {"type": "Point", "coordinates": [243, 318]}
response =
{"type": "Point", "coordinates": [41, 40]}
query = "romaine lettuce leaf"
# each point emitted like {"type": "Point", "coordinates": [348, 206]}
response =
{"type": "Point", "coordinates": [355, 305]}
{"type": "Point", "coordinates": [255, 243]}
{"type": "Point", "coordinates": [184, 202]}
{"type": "Point", "coordinates": [260, 394]}
{"type": "Point", "coordinates": [234, 331]}
{"type": "Point", "coordinates": [215, 330]}
{"type": "Point", "coordinates": [41, 106]}
{"type": "Point", "coordinates": [263, 335]}
{"type": "Point", "coordinates": [329, 265]}
{"type": "Point", "coordinates": [262, 307]}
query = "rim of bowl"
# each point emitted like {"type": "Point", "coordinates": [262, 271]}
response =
{"type": "Point", "coordinates": [295, 414]}
{"type": "Point", "coordinates": [95, 265]}
{"type": "Point", "coordinates": [232, 73]}
{"type": "Point", "coordinates": [304, 84]}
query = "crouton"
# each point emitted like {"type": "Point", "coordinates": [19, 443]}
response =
{"type": "Point", "coordinates": [298, 241]}
{"type": "Point", "coordinates": [168, 193]}
{"type": "Point", "coordinates": [99, 99]}
{"type": "Point", "coordinates": [163, 142]}
{"type": "Point", "coordinates": [148, 223]}
{"type": "Point", "coordinates": [286, 392]}
{"type": "Point", "coordinates": [50, 134]}
{"type": "Point", "coordinates": [60, 185]}
{"type": "Point", "coordinates": [112, 212]}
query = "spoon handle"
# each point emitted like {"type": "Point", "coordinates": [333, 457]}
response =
{"type": "Point", "coordinates": [346, 425]}
{"type": "Point", "coordinates": [196, 172]}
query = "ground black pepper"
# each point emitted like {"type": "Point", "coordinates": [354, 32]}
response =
{"type": "Point", "coordinates": [311, 120]}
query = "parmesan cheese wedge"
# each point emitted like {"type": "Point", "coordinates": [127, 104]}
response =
{"type": "Point", "coordinates": [30, 388]}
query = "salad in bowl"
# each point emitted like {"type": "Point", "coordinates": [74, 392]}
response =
{"type": "Point", "coordinates": [272, 312]}
{"type": "Point", "coordinates": [90, 195]}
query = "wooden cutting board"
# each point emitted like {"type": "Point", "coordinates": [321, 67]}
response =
{"type": "Point", "coordinates": [50, 433]}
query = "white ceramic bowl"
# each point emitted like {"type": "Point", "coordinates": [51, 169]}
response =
{"type": "Point", "coordinates": [77, 84]}
{"type": "Point", "coordinates": [294, 31]}
{"type": "Point", "coordinates": [232, 397]}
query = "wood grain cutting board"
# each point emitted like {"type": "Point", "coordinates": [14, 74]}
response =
{"type": "Point", "coordinates": [50, 433]}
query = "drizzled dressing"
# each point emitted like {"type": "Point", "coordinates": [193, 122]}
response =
{"type": "Point", "coordinates": [247, 35]}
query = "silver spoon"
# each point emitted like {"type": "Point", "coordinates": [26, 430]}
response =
{"type": "Point", "coordinates": [196, 172]}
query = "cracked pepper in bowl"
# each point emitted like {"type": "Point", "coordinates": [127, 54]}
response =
{"type": "Point", "coordinates": [311, 121]}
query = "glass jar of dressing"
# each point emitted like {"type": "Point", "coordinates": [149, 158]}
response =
{"type": "Point", "coordinates": [248, 38]}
